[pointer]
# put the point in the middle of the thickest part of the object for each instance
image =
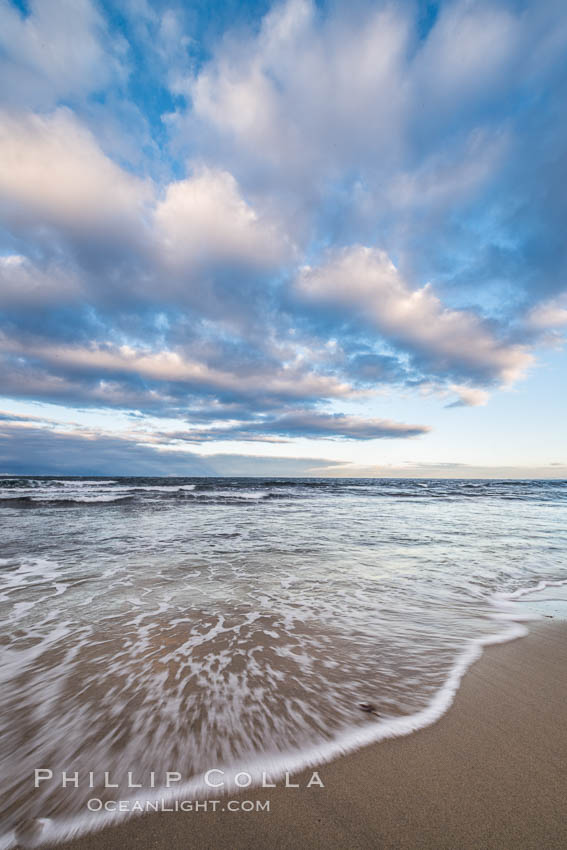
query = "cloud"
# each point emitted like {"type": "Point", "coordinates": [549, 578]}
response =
{"type": "Point", "coordinates": [360, 123]}
{"type": "Point", "coordinates": [208, 231]}
{"type": "Point", "coordinates": [26, 449]}
{"type": "Point", "coordinates": [204, 220]}
{"type": "Point", "coordinates": [469, 396]}
{"type": "Point", "coordinates": [130, 240]}
{"type": "Point", "coordinates": [54, 174]}
{"type": "Point", "coordinates": [170, 367]}
{"type": "Point", "coordinates": [303, 79]}
{"type": "Point", "coordinates": [449, 471]}
{"type": "Point", "coordinates": [446, 178]}
{"type": "Point", "coordinates": [470, 53]}
{"type": "Point", "coordinates": [58, 49]}
{"type": "Point", "coordinates": [23, 284]}
{"type": "Point", "coordinates": [549, 314]}
{"type": "Point", "coordinates": [311, 93]}
{"type": "Point", "coordinates": [363, 283]}
{"type": "Point", "coordinates": [373, 370]}
{"type": "Point", "coordinates": [304, 423]}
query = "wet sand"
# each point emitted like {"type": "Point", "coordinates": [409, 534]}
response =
{"type": "Point", "coordinates": [492, 773]}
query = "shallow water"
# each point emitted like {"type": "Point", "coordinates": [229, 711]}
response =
{"type": "Point", "coordinates": [154, 625]}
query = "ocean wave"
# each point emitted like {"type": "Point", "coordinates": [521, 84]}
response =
{"type": "Point", "coordinates": [46, 500]}
{"type": "Point", "coordinates": [258, 489]}
{"type": "Point", "coordinates": [277, 764]}
{"type": "Point", "coordinates": [195, 604]}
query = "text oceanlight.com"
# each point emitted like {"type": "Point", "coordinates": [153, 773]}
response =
{"type": "Point", "coordinates": [195, 806]}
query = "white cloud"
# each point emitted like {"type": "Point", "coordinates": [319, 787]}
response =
{"type": "Point", "coordinates": [320, 102]}
{"type": "Point", "coordinates": [302, 423]}
{"type": "Point", "coordinates": [444, 179]}
{"type": "Point", "coordinates": [22, 283]}
{"type": "Point", "coordinates": [107, 360]}
{"type": "Point", "coordinates": [441, 470]}
{"type": "Point", "coordinates": [366, 284]}
{"type": "Point", "coordinates": [309, 95]}
{"type": "Point", "coordinates": [549, 314]}
{"type": "Point", "coordinates": [60, 49]}
{"type": "Point", "coordinates": [55, 177]}
{"type": "Point", "coordinates": [469, 396]}
{"type": "Point", "coordinates": [52, 171]}
{"type": "Point", "coordinates": [314, 423]}
{"type": "Point", "coordinates": [470, 52]}
{"type": "Point", "coordinates": [205, 219]}
{"type": "Point", "coordinates": [307, 91]}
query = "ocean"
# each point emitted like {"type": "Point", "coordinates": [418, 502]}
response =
{"type": "Point", "coordinates": [237, 625]}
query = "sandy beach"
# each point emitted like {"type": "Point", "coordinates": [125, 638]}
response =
{"type": "Point", "coordinates": [492, 773]}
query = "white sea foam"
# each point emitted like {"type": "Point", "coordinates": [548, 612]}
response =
{"type": "Point", "coordinates": [191, 619]}
{"type": "Point", "coordinates": [276, 765]}
{"type": "Point", "coordinates": [156, 488]}
{"type": "Point", "coordinates": [526, 591]}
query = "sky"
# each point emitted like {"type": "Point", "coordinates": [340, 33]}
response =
{"type": "Point", "coordinates": [288, 238]}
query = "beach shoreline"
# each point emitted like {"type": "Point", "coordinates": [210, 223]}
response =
{"type": "Point", "coordinates": [490, 773]}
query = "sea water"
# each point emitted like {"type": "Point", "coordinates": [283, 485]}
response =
{"type": "Point", "coordinates": [155, 626]}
